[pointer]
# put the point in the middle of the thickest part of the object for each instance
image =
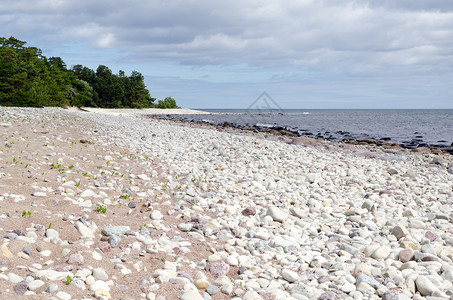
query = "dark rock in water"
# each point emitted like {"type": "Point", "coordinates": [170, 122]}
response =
{"type": "Point", "coordinates": [368, 141]}
{"type": "Point", "coordinates": [386, 139]}
{"type": "Point", "coordinates": [419, 137]}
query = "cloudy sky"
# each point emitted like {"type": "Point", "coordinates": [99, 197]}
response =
{"type": "Point", "coordinates": [224, 54]}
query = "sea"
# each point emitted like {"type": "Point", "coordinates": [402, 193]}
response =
{"type": "Point", "coordinates": [409, 127]}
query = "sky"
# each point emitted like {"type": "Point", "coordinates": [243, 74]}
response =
{"type": "Point", "coordinates": [304, 54]}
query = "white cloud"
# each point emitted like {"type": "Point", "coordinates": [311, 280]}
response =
{"type": "Point", "coordinates": [322, 34]}
{"type": "Point", "coordinates": [357, 38]}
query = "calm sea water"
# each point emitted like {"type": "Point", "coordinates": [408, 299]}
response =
{"type": "Point", "coordinates": [408, 127]}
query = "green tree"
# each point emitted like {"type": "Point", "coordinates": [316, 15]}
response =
{"type": "Point", "coordinates": [168, 102]}
{"type": "Point", "coordinates": [27, 78]}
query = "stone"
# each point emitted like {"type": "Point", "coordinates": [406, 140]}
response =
{"type": "Point", "coordinates": [361, 268]}
{"type": "Point", "coordinates": [406, 255]}
{"type": "Point", "coordinates": [5, 251]}
{"type": "Point", "coordinates": [84, 230]}
{"type": "Point", "coordinates": [75, 259]}
{"type": "Point", "coordinates": [425, 286]}
{"type": "Point", "coordinates": [290, 275]}
{"type": "Point", "coordinates": [87, 193]}
{"type": "Point", "coordinates": [185, 227]}
{"type": "Point", "coordinates": [232, 260]}
{"type": "Point", "coordinates": [52, 288]}
{"type": "Point", "coordinates": [369, 280]}
{"type": "Point", "coordinates": [399, 232]}
{"type": "Point", "coordinates": [99, 285]}
{"type": "Point", "coordinates": [114, 240]}
{"type": "Point", "coordinates": [381, 252]}
{"type": "Point", "coordinates": [391, 295]}
{"type": "Point", "coordinates": [277, 214]}
{"type": "Point", "coordinates": [103, 246]}
{"type": "Point", "coordinates": [39, 194]}
{"type": "Point", "coordinates": [218, 269]}
{"type": "Point", "coordinates": [297, 212]}
{"type": "Point", "coordinates": [21, 288]}
{"type": "Point", "coordinates": [35, 284]}
{"type": "Point", "coordinates": [202, 284]}
{"type": "Point", "coordinates": [52, 275]}
{"type": "Point", "coordinates": [115, 230]}
{"type": "Point", "coordinates": [63, 295]}
{"type": "Point", "coordinates": [143, 177]}
{"type": "Point", "coordinates": [348, 287]}
{"type": "Point", "coordinates": [52, 233]}
{"type": "Point", "coordinates": [14, 278]}
{"type": "Point", "coordinates": [27, 250]}
{"type": "Point", "coordinates": [191, 295]}
{"type": "Point", "coordinates": [135, 246]}
{"type": "Point", "coordinates": [100, 274]}
{"type": "Point", "coordinates": [249, 211]}
{"type": "Point", "coordinates": [212, 289]}
{"type": "Point", "coordinates": [156, 215]}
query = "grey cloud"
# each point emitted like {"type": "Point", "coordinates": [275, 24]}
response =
{"type": "Point", "coordinates": [357, 36]}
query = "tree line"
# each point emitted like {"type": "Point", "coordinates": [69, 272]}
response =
{"type": "Point", "coordinates": [28, 78]}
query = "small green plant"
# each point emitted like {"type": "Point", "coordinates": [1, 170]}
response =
{"type": "Point", "coordinates": [68, 280]}
{"type": "Point", "coordinates": [26, 213]}
{"type": "Point", "coordinates": [50, 225]}
{"type": "Point", "coordinates": [101, 209]}
{"type": "Point", "coordinates": [125, 196]}
{"type": "Point", "coordinates": [71, 167]}
{"type": "Point", "coordinates": [77, 183]}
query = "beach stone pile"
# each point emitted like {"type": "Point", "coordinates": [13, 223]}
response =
{"type": "Point", "coordinates": [199, 213]}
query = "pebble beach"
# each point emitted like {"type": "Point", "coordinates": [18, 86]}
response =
{"type": "Point", "coordinates": [107, 204]}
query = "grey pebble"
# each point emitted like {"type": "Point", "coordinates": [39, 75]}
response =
{"type": "Point", "coordinates": [27, 250]}
{"type": "Point", "coordinates": [52, 288]}
{"type": "Point", "coordinates": [21, 288]}
{"type": "Point", "coordinates": [114, 240]}
{"type": "Point", "coordinates": [212, 289]}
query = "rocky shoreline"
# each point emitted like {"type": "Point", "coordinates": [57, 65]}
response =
{"type": "Point", "coordinates": [417, 144]}
{"type": "Point", "coordinates": [118, 207]}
